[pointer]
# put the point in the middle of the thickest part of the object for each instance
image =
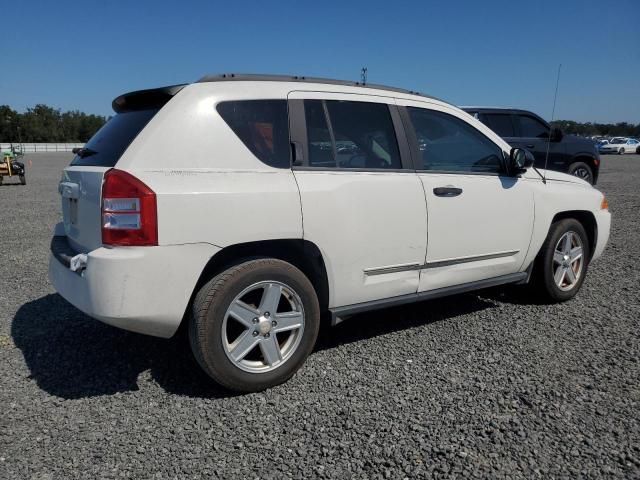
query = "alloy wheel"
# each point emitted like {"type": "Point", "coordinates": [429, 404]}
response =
{"type": "Point", "coordinates": [263, 326]}
{"type": "Point", "coordinates": [583, 173]}
{"type": "Point", "coordinates": [568, 261]}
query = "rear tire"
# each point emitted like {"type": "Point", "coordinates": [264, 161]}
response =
{"type": "Point", "coordinates": [581, 170]}
{"type": "Point", "coordinates": [237, 335]}
{"type": "Point", "coordinates": [23, 180]}
{"type": "Point", "coordinates": [559, 272]}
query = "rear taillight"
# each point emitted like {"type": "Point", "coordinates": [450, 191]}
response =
{"type": "Point", "coordinates": [129, 212]}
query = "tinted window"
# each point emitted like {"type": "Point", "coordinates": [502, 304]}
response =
{"type": "Point", "coordinates": [263, 127]}
{"type": "Point", "coordinates": [531, 127]}
{"type": "Point", "coordinates": [447, 143]}
{"type": "Point", "coordinates": [106, 147]}
{"type": "Point", "coordinates": [364, 135]}
{"type": "Point", "coordinates": [500, 123]}
{"type": "Point", "coordinates": [321, 152]}
{"type": "Point", "coordinates": [361, 135]}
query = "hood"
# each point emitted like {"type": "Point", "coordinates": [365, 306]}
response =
{"type": "Point", "coordinates": [554, 176]}
{"type": "Point", "coordinates": [585, 143]}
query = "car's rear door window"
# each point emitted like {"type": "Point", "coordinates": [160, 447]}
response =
{"type": "Point", "coordinates": [361, 135]}
{"type": "Point", "coordinates": [106, 147]}
{"type": "Point", "coordinates": [263, 127]}
{"type": "Point", "coordinates": [321, 145]}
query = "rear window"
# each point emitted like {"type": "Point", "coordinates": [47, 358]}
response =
{"type": "Point", "coordinates": [106, 147]}
{"type": "Point", "coordinates": [263, 126]}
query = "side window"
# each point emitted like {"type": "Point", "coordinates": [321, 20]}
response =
{"type": "Point", "coordinates": [449, 144]}
{"type": "Point", "coordinates": [263, 127]}
{"type": "Point", "coordinates": [531, 127]}
{"type": "Point", "coordinates": [321, 152]}
{"type": "Point", "coordinates": [501, 124]}
{"type": "Point", "coordinates": [358, 135]}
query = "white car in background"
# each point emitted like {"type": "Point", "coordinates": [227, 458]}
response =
{"type": "Point", "coordinates": [621, 145]}
{"type": "Point", "coordinates": [249, 206]}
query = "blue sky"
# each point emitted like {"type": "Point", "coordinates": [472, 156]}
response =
{"type": "Point", "coordinates": [80, 55]}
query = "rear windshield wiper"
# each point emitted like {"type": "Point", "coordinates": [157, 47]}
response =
{"type": "Point", "coordinates": [83, 152]}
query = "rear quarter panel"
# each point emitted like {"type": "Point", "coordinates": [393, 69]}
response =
{"type": "Point", "coordinates": [210, 187]}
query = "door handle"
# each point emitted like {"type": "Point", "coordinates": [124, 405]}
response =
{"type": "Point", "coordinates": [447, 191]}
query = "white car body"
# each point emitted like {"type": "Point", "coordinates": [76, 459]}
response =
{"type": "Point", "coordinates": [620, 146]}
{"type": "Point", "coordinates": [382, 235]}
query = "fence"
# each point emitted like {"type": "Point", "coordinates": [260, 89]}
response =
{"type": "Point", "coordinates": [42, 147]}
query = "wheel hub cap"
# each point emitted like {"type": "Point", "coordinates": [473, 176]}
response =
{"type": "Point", "coordinates": [264, 325]}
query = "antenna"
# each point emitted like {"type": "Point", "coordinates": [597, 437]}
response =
{"type": "Point", "coordinates": [553, 112]}
{"type": "Point", "coordinates": [363, 75]}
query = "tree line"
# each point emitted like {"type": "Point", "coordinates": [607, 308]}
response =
{"type": "Point", "coordinates": [621, 129]}
{"type": "Point", "coordinates": [44, 124]}
{"type": "Point", "coordinates": [49, 125]}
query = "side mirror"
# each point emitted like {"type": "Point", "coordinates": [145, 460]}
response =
{"type": "Point", "coordinates": [519, 160]}
{"type": "Point", "coordinates": [556, 134]}
{"type": "Point", "coordinates": [75, 150]}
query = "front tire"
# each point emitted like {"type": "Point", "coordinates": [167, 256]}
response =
{"type": "Point", "coordinates": [621, 151]}
{"type": "Point", "coordinates": [581, 170]}
{"type": "Point", "coordinates": [562, 264]}
{"type": "Point", "coordinates": [254, 324]}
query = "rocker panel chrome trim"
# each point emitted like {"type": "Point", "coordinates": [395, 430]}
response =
{"type": "Point", "coordinates": [437, 264]}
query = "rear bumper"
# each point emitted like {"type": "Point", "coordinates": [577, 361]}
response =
{"type": "Point", "coordinates": [142, 289]}
{"type": "Point", "coordinates": [603, 220]}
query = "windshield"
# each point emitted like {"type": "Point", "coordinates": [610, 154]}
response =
{"type": "Point", "coordinates": [106, 147]}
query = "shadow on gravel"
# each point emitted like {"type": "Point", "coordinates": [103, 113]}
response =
{"type": "Point", "coordinates": [512, 294]}
{"type": "Point", "coordinates": [381, 322]}
{"type": "Point", "coordinates": [73, 356]}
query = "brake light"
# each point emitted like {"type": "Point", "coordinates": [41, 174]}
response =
{"type": "Point", "coordinates": [129, 211]}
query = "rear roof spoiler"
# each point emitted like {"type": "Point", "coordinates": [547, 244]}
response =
{"type": "Point", "coordinates": [145, 99]}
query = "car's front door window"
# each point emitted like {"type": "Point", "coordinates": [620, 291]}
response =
{"type": "Point", "coordinates": [501, 124]}
{"type": "Point", "coordinates": [532, 128]}
{"type": "Point", "coordinates": [448, 144]}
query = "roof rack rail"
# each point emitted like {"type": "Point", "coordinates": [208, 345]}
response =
{"type": "Point", "coordinates": [253, 77]}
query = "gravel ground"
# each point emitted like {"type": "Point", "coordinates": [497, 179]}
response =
{"type": "Point", "coordinates": [484, 385]}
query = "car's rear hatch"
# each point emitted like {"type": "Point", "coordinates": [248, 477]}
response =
{"type": "Point", "coordinates": [81, 183]}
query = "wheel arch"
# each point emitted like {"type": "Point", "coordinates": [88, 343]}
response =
{"type": "Point", "coordinates": [303, 254]}
{"type": "Point", "coordinates": [588, 221]}
{"type": "Point", "coordinates": [590, 160]}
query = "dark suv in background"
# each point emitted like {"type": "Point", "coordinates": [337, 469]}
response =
{"type": "Point", "coordinates": [521, 128]}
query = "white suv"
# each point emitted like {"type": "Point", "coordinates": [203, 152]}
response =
{"type": "Point", "coordinates": [249, 206]}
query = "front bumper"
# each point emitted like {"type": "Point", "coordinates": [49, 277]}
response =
{"type": "Point", "coordinates": [603, 221]}
{"type": "Point", "coordinates": [141, 289]}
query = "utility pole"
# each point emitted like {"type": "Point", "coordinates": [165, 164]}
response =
{"type": "Point", "coordinates": [363, 75]}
